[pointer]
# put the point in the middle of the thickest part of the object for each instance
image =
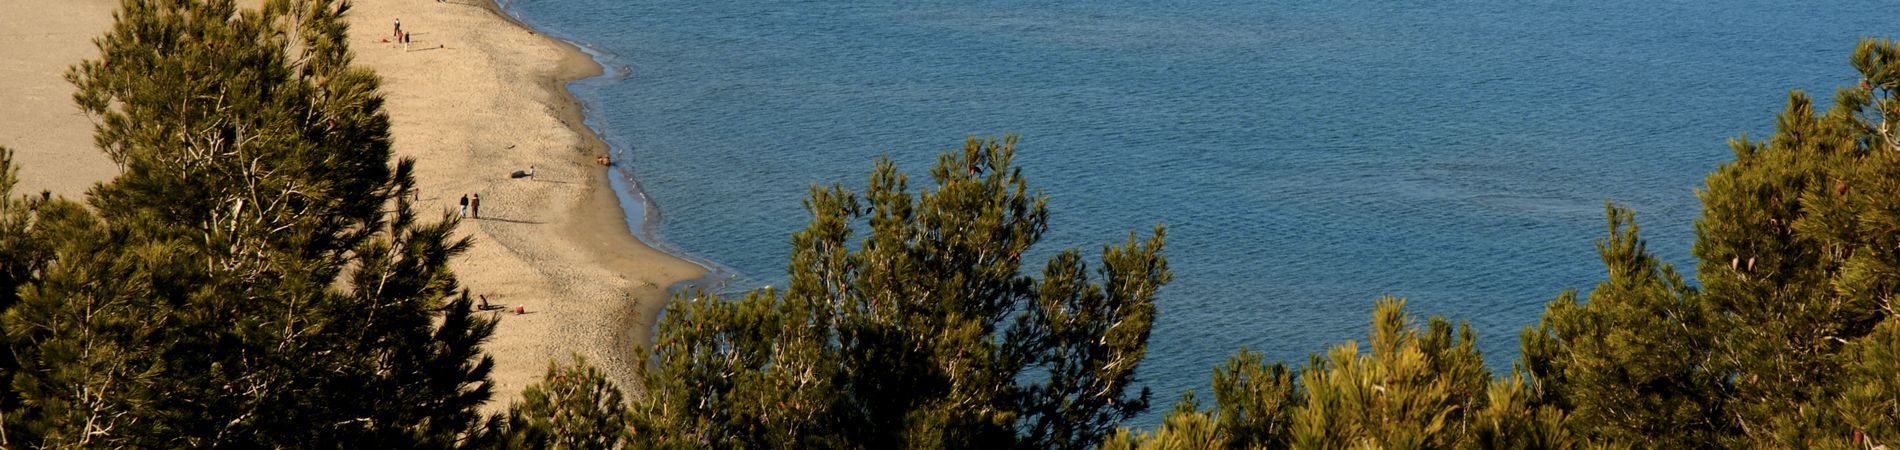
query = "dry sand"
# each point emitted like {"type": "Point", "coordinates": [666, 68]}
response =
{"type": "Point", "coordinates": [51, 137]}
{"type": "Point", "coordinates": [474, 98]}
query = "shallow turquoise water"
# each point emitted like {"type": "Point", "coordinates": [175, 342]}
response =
{"type": "Point", "coordinates": [1307, 156]}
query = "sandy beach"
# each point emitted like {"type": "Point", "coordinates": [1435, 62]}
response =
{"type": "Point", "coordinates": [473, 97]}
{"type": "Point", "coordinates": [51, 137]}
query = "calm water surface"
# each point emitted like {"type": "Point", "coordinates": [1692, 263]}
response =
{"type": "Point", "coordinates": [1307, 157]}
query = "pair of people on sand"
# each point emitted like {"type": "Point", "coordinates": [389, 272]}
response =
{"type": "Point", "coordinates": [472, 207]}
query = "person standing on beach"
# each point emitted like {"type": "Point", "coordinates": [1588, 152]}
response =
{"type": "Point", "coordinates": [475, 206]}
{"type": "Point", "coordinates": [398, 28]}
{"type": "Point", "coordinates": [405, 42]}
{"type": "Point", "coordinates": [464, 212]}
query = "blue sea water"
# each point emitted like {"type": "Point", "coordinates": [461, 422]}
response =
{"type": "Point", "coordinates": [1307, 157]}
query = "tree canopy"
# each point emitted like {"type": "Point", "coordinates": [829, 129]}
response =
{"type": "Point", "coordinates": [925, 333]}
{"type": "Point", "coordinates": [1797, 257]}
{"type": "Point", "coordinates": [253, 277]}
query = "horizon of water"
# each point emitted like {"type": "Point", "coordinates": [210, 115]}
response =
{"type": "Point", "coordinates": [1306, 157]}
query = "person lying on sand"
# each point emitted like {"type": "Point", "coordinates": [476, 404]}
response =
{"type": "Point", "coordinates": [529, 174]}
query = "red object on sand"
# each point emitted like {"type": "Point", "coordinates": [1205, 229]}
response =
{"type": "Point", "coordinates": [519, 310]}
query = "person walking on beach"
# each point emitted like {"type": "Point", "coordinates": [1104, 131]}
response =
{"type": "Point", "coordinates": [399, 28]}
{"type": "Point", "coordinates": [464, 212]}
{"type": "Point", "coordinates": [475, 206]}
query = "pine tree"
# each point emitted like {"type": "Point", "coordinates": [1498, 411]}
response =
{"type": "Point", "coordinates": [925, 334]}
{"type": "Point", "coordinates": [1772, 240]}
{"type": "Point", "coordinates": [1631, 365]}
{"type": "Point", "coordinates": [1255, 401]}
{"type": "Point", "coordinates": [26, 252]}
{"type": "Point", "coordinates": [254, 277]}
{"type": "Point", "coordinates": [1187, 427]}
{"type": "Point", "coordinates": [22, 255]}
{"type": "Point", "coordinates": [1798, 252]}
{"type": "Point", "coordinates": [1418, 389]}
{"type": "Point", "coordinates": [1867, 412]}
{"type": "Point", "coordinates": [1412, 391]}
{"type": "Point", "coordinates": [573, 407]}
{"type": "Point", "coordinates": [87, 377]}
{"type": "Point", "coordinates": [1511, 418]}
{"type": "Point", "coordinates": [1255, 404]}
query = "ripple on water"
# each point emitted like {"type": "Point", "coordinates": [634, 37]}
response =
{"type": "Point", "coordinates": [1308, 156]}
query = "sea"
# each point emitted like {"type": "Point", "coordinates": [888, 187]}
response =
{"type": "Point", "coordinates": [1307, 157]}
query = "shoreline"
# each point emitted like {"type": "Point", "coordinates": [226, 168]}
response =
{"type": "Point", "coordinates": [571, 257]}
{"type": "Point", "coordinates": [644, 225]}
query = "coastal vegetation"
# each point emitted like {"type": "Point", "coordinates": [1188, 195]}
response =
{"type": "Point", "coordinates": [925, 333]}
{"type": "Point", "coordinates": [256, 278]}
{"type": "Point", "coordinates": [1788, 338]}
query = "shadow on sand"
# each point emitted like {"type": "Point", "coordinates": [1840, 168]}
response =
{"type": "Point", "coordinates": [508, 220]}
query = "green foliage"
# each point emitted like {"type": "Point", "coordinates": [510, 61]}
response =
{"type": "Point", "coordinates": [1188, 428]}
{"type": "Point", "coordinates": [925, 335]}
{"type": "Point", "coordinates": [1511, 419]}
{"type": "Point", "coordinates": [574, 407]}
{"type": "Point", "coordinates": [1412, 391]}
{"type": "Point", "coordinates": [1868, 408]}
{"type": "Point", "coordinates": [1255, 401]}
{"type": "Point", "coordinates": [1417, 389]}
{"type": "Point", "coordinates": [248, 120]}
{"type": "Point", "coordinates": [1799, 252]}
{"type": "Point", "coordinates": [82, 336]}
{"type": "Point", "coordinates": [25, 252]}
{"type": "Point", "coordinates": [1631, 365]}
{"type": "Point", "coordinates": [252, 279]}
{"type": "Point", "coordinates": [21, 255]}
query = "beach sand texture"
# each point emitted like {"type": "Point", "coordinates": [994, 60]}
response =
{"type": "Point", "coordinates": [474, 97]}
{"type": "Point", "coordinates": [51, 137]}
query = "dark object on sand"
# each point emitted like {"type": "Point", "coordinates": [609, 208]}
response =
{"type": "Point", "coordinates": [523, 173]}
